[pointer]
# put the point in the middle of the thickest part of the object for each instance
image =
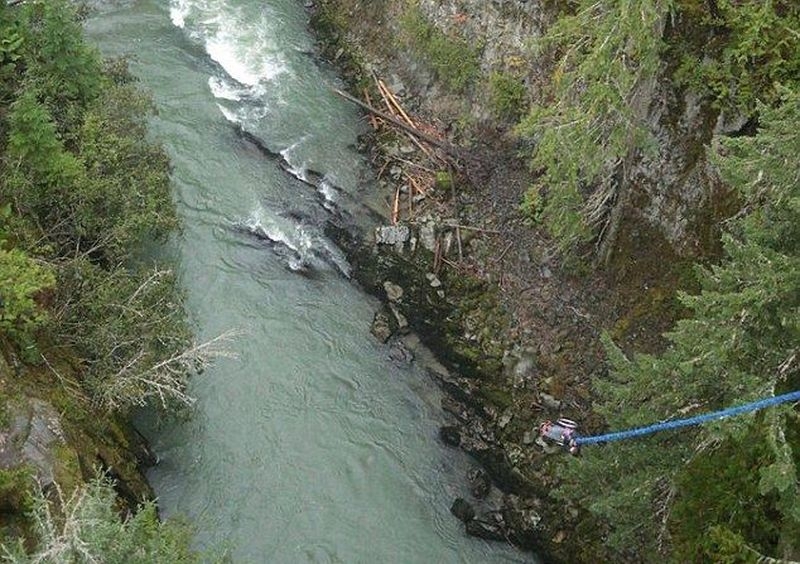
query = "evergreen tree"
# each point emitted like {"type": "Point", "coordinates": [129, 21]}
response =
{"type": "Point", "coordinates": [590, 121]}
{"type": "Point", "coordinates": [58, 64]}
{"type": "Point", "coordinates": [742, 342]}
{"type": "Point", "coordinates": [591, 126]}
{"type": "Point", "coordinates": [125, 198]}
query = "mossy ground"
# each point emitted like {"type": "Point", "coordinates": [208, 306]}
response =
{"type": "Point", "coordinates": [94, 442]}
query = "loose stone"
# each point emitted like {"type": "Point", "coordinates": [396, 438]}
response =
{"type": "Point", "coordinates": [380, 328]}
{"type": "Point", "coordinates": [394, 293]}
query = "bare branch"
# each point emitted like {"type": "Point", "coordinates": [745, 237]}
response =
{"type": "Point", "coordinates": [165, 381]}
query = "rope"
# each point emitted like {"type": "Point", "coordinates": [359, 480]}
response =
{"type": "Point", "coordinates": [696, 420]}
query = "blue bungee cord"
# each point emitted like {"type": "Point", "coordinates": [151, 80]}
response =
{"type": "Point", "coordinates": [696, 420]}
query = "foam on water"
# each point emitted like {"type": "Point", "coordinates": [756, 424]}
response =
{"type": "Point", "coordinates": [178, 11]}
{"type": "Point", "coordinates": [328, 191]}
{"type": "Point", "coordinates": [225, 90]}
{"type": "Point", "coordinates": [232, 116]}
{"type": "Point", "coordinates": [241, 41]}
{"type": "Point", "coordinates": [264, 225]}
{"type": "Point", "coordinates": [300, 246]}
{"type": "Point", "coordinates": [298, 170]}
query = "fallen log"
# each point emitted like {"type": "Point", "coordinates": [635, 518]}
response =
{"type": "Point", "coordinates": [392, 101]}
{"type": "Point", "coordinates": [395, 109]}
{"type": "Point", "coordinates": [454, 152]}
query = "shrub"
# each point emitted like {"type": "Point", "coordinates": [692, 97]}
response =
{"type": "Point", "coordinates": [22, 281]}
{"type": "Point", "coordinates": [507, 95]}
{"type": "Point", "coordinates": [86, 527]}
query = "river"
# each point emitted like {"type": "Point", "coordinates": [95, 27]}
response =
{"type": "Point", "coordinates": [311, 445]}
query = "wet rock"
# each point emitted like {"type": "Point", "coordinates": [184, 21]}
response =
{"type": "Point", "coordinates": [396, 235]}
{"type": "Point", "coordinates": [396, 85]}
{"type": "Point", "coordinates": [380, 328]}
{"type": "Point", "coordinates": [400, 353]}
{"type": "Point", "coordinates": [463, 510]}
{"type": "Point", "coordinates": [729, 123]}
{"type": "Point", "coordinates": [32, 438]}
{"type": "Point", "coordinates": [427, 234]}
{"type": "Point", "coordinates": [450, 435]}
{"type": "Point", "coordinates": [523, 521]}
{"type": "Point", "coordinates": [479, 483]}
{"type": "Point", "coordinates": [433, 280]}
{"type": "Point", "coordinates": [402, 322]}
{"type": "Point", "coordinates": [392, 150]}
{"type": "Point", "coordinates": [505, 419]}
{"type": "Point", "coordinates": [485, 530]}
{"type": "Point", "coordinates": [549, 401]}
{"type": "Point", "coordinates": [523, 372]}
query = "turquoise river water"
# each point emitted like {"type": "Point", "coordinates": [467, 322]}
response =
{"type": "Point", "coordinates": [311, 445]}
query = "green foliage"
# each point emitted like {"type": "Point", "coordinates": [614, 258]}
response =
{"type": "Point", "coordinates": [22, 281]}
{"type": "Point", "coordinates": [590, 122]}
{"type": "Point", "coordinates": [444, 181]}
{"type": "Point", "coordinates": [84, 190]}
{"type": "Point", "coordinates": [723, 489]}
{"type": "Point", "coordinates": [60, 66]}
{"type": "Point", "coordinates": [738, 53]}
{"type": "Point", "coordinates": [531, 206]}
{"type": "Point", "coordinates": [10, 53]}
{"type": "Point", "coordinates": [14, 490]}
{"type": "Point", "coordinates": [40, 167]}
{"type": "Point", "coordinates": [452, 59]}
{"type": "Point", "coordinates": [125, 198]}
{"type": "Point", "coordinates": [507, 95]}
{"type": "Point", "coordinates": [110, 196]}
{"type": "Point", "coordinates": [724, 546]}
{"type": "Point", "coordinates": [86, 527]}
{"type": "Point", "coordinates": [739, 345]}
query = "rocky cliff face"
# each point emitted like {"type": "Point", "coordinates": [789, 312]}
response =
{"type": "Point", "coordinates": [672, 188]}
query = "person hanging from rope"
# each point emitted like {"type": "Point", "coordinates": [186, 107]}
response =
{"type": "Point", "coordinates": [561, 433]}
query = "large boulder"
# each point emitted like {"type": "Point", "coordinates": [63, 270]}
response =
{"type": "Point", "coordinates": [463, 510]}
{"type": "Point", "coordinates": [34, 437]}
{"type": "Point", "coordinates": [489, 527]}
{"type": "Point", "coordinates": [394, 235]}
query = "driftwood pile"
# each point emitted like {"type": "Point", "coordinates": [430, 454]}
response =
{"type": "Point", "coordinates": [432, 153]}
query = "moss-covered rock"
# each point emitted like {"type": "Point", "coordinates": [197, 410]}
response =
{"type": "Point", "coordinates": [50, 435]}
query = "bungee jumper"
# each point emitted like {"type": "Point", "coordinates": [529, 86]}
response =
{"type": "Point", "coordinates": [563, 432]}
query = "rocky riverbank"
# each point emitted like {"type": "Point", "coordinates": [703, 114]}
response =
{"type": "Point", "coordinates": [516, 335]}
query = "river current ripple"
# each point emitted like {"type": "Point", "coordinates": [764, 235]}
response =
{"type": "Point", "coordinates": [311, 445]}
